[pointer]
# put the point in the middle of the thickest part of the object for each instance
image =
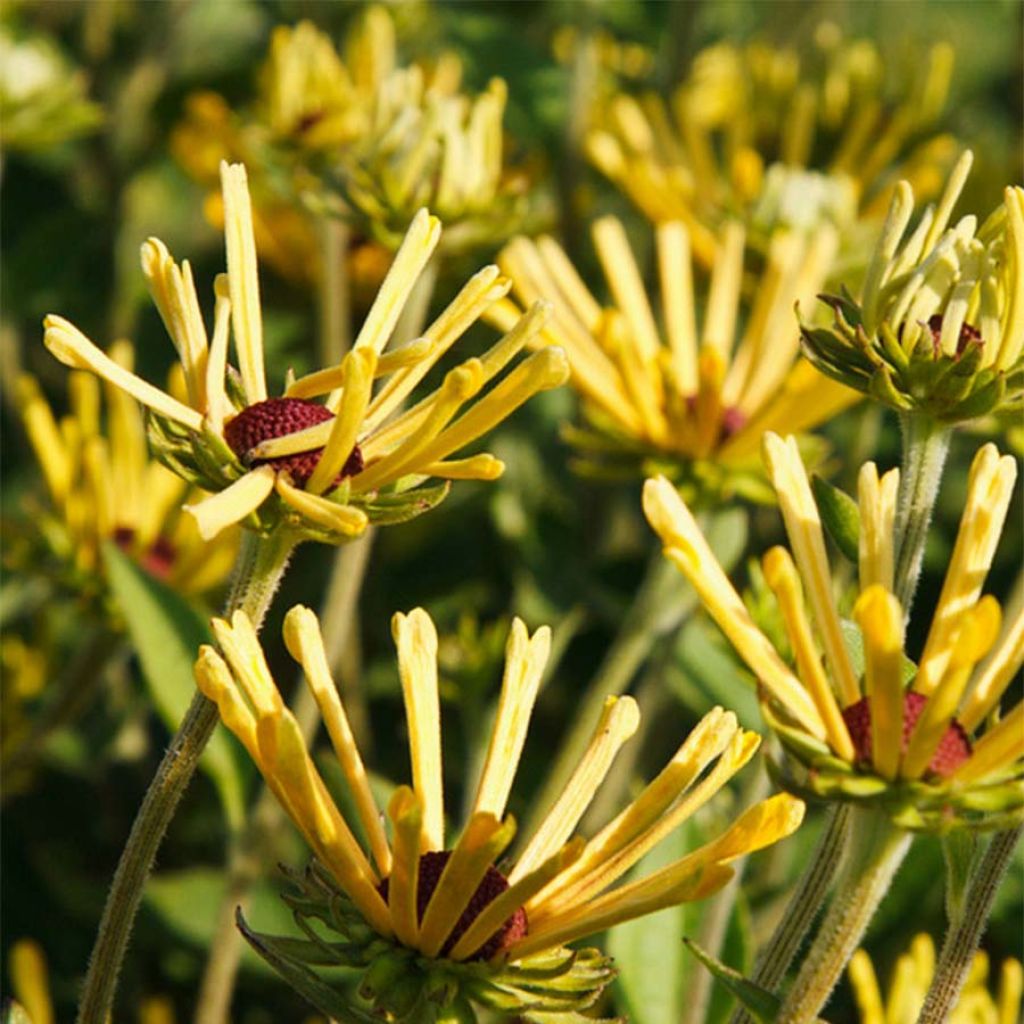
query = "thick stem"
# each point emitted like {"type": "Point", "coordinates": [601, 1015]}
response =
{"type": "Point", "coordinates": [803, 907]}
{"type": "Point", "coordinates": [875, 851]}
{"type": "Point", "coordinates": [963, 937]}
{"type": "Point", "coordinates": [659, 607]}
{"type": "Point", "coordinates": [252, 847]}
{"type": "Point", "coordinates": [261, 564]}
{"type": "Point", "coordinates": [925, 446]}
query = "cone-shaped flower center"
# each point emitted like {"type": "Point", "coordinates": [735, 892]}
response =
{"type": "Point", "coordinates": [968, 335]}
{"type": "Point", "coordinates": [276, 417]}
{"type": "Point", "coordinates": [493, 885]}
{"type": "Point", "coordinates": [952, 751]}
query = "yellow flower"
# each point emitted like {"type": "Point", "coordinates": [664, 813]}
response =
{"type": "Point", "coordinates": [323, 470]}
{"type": "Point", "coordinates": [703, 153]}
{"type": "Point", "coordinates": [690, 398]}
{"type": "Point", "coordinates": [939, 328]}
{"type": "Point", "coordinates": [911, 978]}
{"type": "Point", "coordinates": [103, 486]}
{"type": "Point", "coordinates": [444, 900]}
{"type": "Point", "coordinates": [934, 754]}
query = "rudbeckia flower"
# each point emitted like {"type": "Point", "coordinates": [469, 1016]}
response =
{"type": "Point", "coordinates": [928, 743]}
{"type": "Point", "coordinates": [104, 486]}
{"type": "Point", "coordinates": [664, 391]}
{"type": "Point", "coordinates": [700, 156]}
{"type": "Point", "coordinates": [321, 469]}
{"type": "Point", "coordinates": [939, 328]}
{"type": "Point", "coordinates": [433, 921]}
{"type": "Point", "coordinates": [911, 978]}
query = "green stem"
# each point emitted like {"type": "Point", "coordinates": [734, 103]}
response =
{"type": "Point", "coordinates": [252, 847]}
{"type": "Point", "coordinates": [925, 446]}
{"type": "Point", "coordinates": [875, 851]}
{"type": "Point", "coordinates": [963, 937]}
{"type": "Point", "coordinates": [803, 907]}
{"type": "Point", "coordinates": [335, 292]}
{"type": "Point", "coordinates": [659, 607]}
{"type": "Point", "coordinates": [261, 564]}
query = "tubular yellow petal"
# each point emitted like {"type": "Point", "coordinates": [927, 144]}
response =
{"type": "Point", "coordinates": [877, 502]}
{"type": "Point", "coordinates": [234, 503]}
{"type": "Point", "coordinates": [357, 380]}
{"type": "Point", "coordinates": [901, 209]}
{"type": "Point", "coordinates": [1000, 747]}
{"type": "Point", "coordinates": [688, 880]}
{"type": "Point", "coordinates": [44, 436]}
{"type": "Point", "coordinates": [30, 980]}
{"type": "Point", "coordinates": [676, 278]}
{"type": "Point", "coordinates": [74, 349]}
{"type": "Point", "coordinates": [243, 280]}
{"type": "Point", "coordinates": [214, 679]}
{"type": "Point", "coordinates": [781, 575]}
{"type": "Point", "coordinates": [723, 298]}
{"type": "Point", "coordinates": [579, 888]}
{"type": "Point", "coordinates": [96, 462]}
{"type": "Point", "coordinates": [1011, 986]}
{"type": "Point", "coordinates": [711, 736]}
{"type": "Point", "coordinates": [84, 395]}
{"type": "Point", "coordinates": [174, 294]}
{"type": "Point", "coordinates": [479, 846]}
{"type": "Point", "coordinates": [476, 467]}
{"type": "Point", "coordinates": [880, 618]}
{"type": "Point", "coordinates": [416, 640]}
{"type": "Point", "coordinates": [789, 478]}
{"type": "Point", "coordinates": [686, 547]}
{"type": "Point", "coordinates": [627, 287]}
{"type": "Point", "coordinates": [502, 907]}
{"type": "Point", "coordinates": [244, 654]}
{"type": "Point", "coordinates": [757, 827]}
{"type": "Point", "coordinates": [979, 629]}
{"type": "Point", "coordinates": [1013, 326]}
{"type": "Point", "coordinates": [864, 982]}
{"type": "Point", "coordinates": [996, 674]}
{"type": "Point", "coordinates": [406, 816]}
{"type": "Point", "coordinates": [419, 243]}
{"type": "Point", "coordinates": [346, 520]}
{"type": "Point", "coordinates": [525, 658]}
{"type": "Point", "coordinates": [284, 752]}
{"type": "Point", "coordinates": [289, 444]}
{"type": "Point", "coordinates": [216, 365]}
{"type": "Point", "coordinates": [950, 194]}
{"type": "Point", "coordinates": [305, 644]}
{"type": "Point", "coordinates": [619, 720]}
{"type": "Point", "coordinates": [989, 490]}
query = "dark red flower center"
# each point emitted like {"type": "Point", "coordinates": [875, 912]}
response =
{"type": "Point", "coordinates": [277, 417]}
{"type": "Point", "coordinates": [493, 885]}
{"type": "Point", "coordinates": [968, 335]}
{"type": "Point", "coordinates": [158, 559]}
{"type": "Point", "coordinates": [954, 748]}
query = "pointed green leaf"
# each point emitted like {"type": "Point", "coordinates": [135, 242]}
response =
{"type": "Point", "coordinates": [166, 632]}
{"type": "Point", "coordinates": [762, 1004]}
{"type": "Point", "coordinates": [840, 515]}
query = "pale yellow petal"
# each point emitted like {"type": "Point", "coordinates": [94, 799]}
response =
{"type": "Point", "coordinates": [996, 674]}
{"type": "Point", "coordinates": [234, 503]}
{"type": "Point", "coordinates": [997, 749]}
{"type": "Point", "coordinates": [416, 639]}
{"type": "Point", "coordinates": [406, 815]}
{"type": "Point", "coordinates": [30, 980]}
{"type": "Point", "coordinates": [45, 438]}
{"type": "Point", "coordinates": [864, 982]}
{"type": "Point", "coordinates": [876, 499]}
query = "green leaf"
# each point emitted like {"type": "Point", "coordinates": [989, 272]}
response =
{"type": "Point", "coordinates": [840, 515]}
{"type": "Point", "coordinates": [761, 1003]}
{"type": "Point", "coordinates": [648, 952]}
{"type": "Point", "coordinates": [167, 632]}
{"type": "Point", "coordinates": [188, 902]}
{"type": "Point", "coordinates": [959, 851]}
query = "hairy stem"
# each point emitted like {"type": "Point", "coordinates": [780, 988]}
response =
{"type": "Point", "coordinates": [803, 907]}
{"type": "Point", "coordinates": [925, 446]}
{"type": "Point", "coordinates": [261, 564]}
{"type": "Point", "coordinates": [963, 937]}
{"type": "Point", "coordinates": [875, 850]}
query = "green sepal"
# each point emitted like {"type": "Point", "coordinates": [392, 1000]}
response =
{"type": "Point", "coordinates": [840, 516]}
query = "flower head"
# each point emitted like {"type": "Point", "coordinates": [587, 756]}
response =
{"type": "Point", "coordinates": [926, 742]}
{"type": "Point", "coordinates": [418, 907]}
{"type": "Point", "coordinates": [103, 486]}
{"type": "Point", "coordinates": [912, 977]}
{"type": "Point", "coordinates": [321, 469]}
{"type": "Point", "coordinates": [688, 402]}
{"type": "Point", "coordinates": [939, 328]}
{"type": "Point", "coordinates": [701, 156]}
